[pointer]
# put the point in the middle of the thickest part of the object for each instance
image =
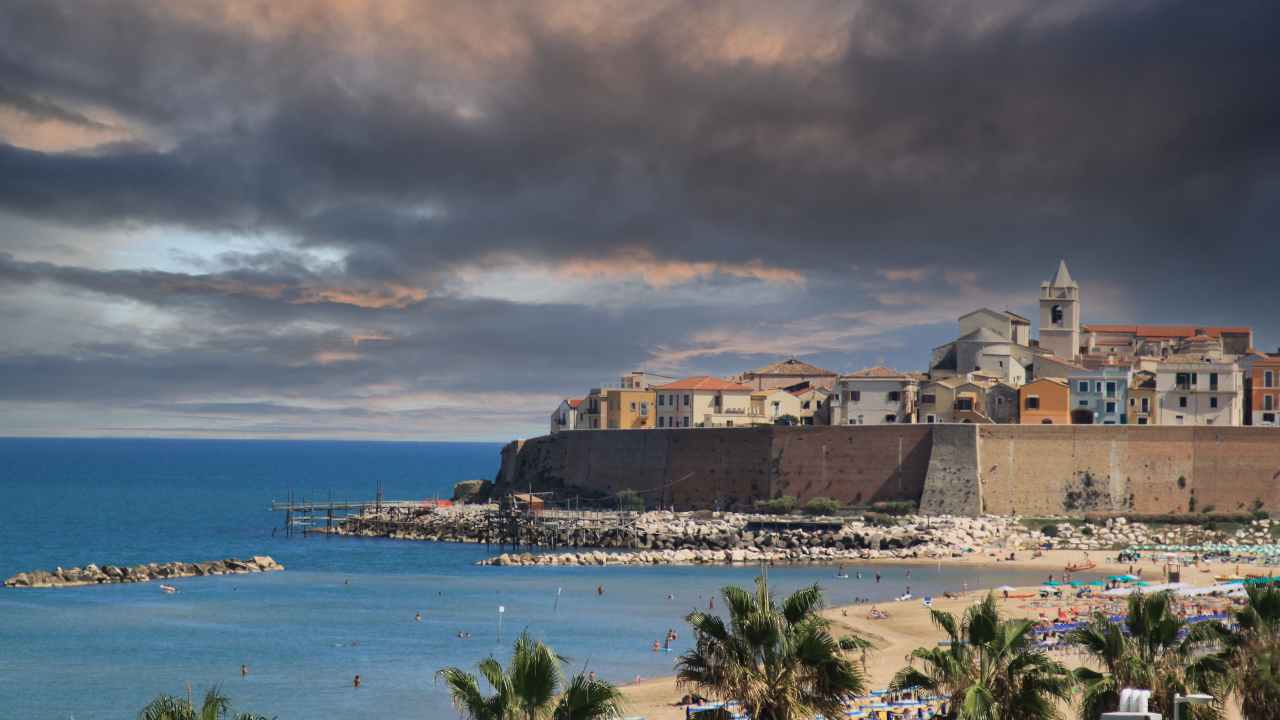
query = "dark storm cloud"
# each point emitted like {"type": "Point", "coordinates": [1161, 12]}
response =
{"type": "Point", "coordinates": [824, 140]}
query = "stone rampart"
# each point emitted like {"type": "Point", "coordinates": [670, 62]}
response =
{"type": "Point", "coordinates": [957, 469]}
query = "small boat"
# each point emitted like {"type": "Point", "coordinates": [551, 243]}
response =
{"type": "Point", "coordinates": [169, 589]}
{"type": "Point", "coordinates": [1228, 578]}
{"type": "Point", "coordinates": [1081, 566]}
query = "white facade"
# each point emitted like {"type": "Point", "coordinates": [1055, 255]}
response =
{"type": "Point", "coordinates": [1199, 392]}
{"type": "Point", "coordinates": [873, 401]}
{"type": "Point", "coordinates": [1060, 314]}
{"type": "Point", "coordinates": [683, 404]}
{"type": "Point", "coordinates": [565, 416]}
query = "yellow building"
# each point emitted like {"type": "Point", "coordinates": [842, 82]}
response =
{"type": "Point", "coordinates": [629, 409]}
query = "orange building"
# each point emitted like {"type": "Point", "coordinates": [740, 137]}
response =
{"type": "Point", "coordinates": [1266, 391]}
{"type": "Point", "coordinates": [1046, 401]}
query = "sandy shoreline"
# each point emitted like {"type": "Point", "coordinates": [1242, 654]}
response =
{"type": "Point", "coordinates": [910, 624]}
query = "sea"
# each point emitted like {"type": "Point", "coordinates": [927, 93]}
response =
{"type": "Point", "coordinates": [342, 607]}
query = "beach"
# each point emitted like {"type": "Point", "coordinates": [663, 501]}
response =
{"type": "Point", "coordinates": [910, 623]}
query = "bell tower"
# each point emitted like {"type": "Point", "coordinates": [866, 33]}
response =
{"type": "Point", "coordinates": [1060, 314]}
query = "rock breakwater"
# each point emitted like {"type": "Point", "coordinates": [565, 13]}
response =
{"type": "Point", "coordinates": [92, 574]}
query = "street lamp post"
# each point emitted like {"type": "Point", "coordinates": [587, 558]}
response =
{"type": "Point", "coordinates": [1192, 699]}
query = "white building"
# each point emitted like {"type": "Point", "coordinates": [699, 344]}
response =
{"type": "Point", "coordinates": [1060, 314]}
{"type": "Point", "coordinates": [1194, 390]}
{"type": "Point", "coordinates": [704, 401]}
{"type": "Point", "coordinates": [565, 416]}
{"type": "Point", "coordinates": [874, 396]}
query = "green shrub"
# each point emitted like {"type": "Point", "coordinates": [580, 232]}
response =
{"type": "Point", "coordinates": [894, 507]}
{"type": "Point", "coordinates": [1087, 531]}
{"type": "Point", "coordinates": [630, 500]}
{"type": "Point", "coordinates": [1049, 531]}
{"type": "Point", "coordinates": [822, 506]}
{"type": "Point", "coordinates": [777, 506]}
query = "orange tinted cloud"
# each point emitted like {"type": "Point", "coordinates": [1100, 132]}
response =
{"type": "Point", "coordinates": [642, 264]}
{"type": "Point", "coordinates": [389, 296]}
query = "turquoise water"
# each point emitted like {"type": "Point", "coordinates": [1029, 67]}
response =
{"type": "Point", "coordinates": [343, 606]}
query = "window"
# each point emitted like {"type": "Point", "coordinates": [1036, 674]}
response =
{"type": "Point", "coordinates": [1033, 402]}
{"type": "Point", "coordinates": [686, 400]}
{"type": "Point", "coordinates": [1268, 402]}
{"type": "Point", "coordinates": [1146, 404]}
{"type": "Point", "coordinates": [999, 402]}
{"type": "Point", "coordinates": [1269, 418]}
{"type": "Point", "coordinates": [686, 421]}
{"type": "Point", "coordinates": [1055, 315]}
{"type": "Point", "coordinates": [964, 403]}
{"type": "Point", "coordinates": [1268, 379]}
{"type": "Point", "coordinates": [930, 419]}
{"type": "Point", "coordinates": [1178, 419]}
{"type": "Point", "coordinates": [1097, 387]}
{"type": "Point", "coordinates": [928, 399]}
{"type": "Point", "coordinates": [1084, 403]}
{"type": "Point", "coordinates": [1213, 381]}
{"type": "Point", "coordinates": [1111, 408]}
{"type": "Point", "coordinates": [662, 422]}
{"type": "Point", "coordinates": [895, 396]}
{"type": "Point", "coordinates": [1083, 386]}
{"type": "Point", "coordinates": [860, 420]}
{"type": "Point", "coordinates": [661, 399]}
{"type": "Point", "coordinates": [1142, 421]}
{"type": "Point", "coordinates": [855, 396]}
{"type": "Point", "coordinates": [1133, 401]}
{"type": "Point", "coordinates": [1182, 401]}
{"type": "Point", "coordinates": [1184, 381]}
{"type": "Point", "coordinates": [1046, 421]}
{"type": "Point", "coordinates": [1213, 402]}
{"type": "Point", "coordinates": [776, 406]}
{"type": "Point", "coordinates": [804, 405]}
{"type": "Point", "coordinates": [1111, 389]}
{"type": "Point", "coordinates": [891, 418]}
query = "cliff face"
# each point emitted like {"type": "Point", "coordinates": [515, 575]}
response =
{"type": "Point", "coordinates": [958, 469]}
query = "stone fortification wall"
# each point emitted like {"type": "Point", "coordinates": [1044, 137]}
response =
{"type": "Point", "coordinates": [1033, 470]}
{"type": "Point", "coordinates": [731, 467]}
{"type": "Point", "coordinates": [955, 469]}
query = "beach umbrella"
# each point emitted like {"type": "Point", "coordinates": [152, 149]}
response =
{"type": "Point", "coordinates": [1076, 584]}
{"type": "Point", "coordinates": [1098, 583]}
{"type": "Point", "coordinates": [1006, 588]}
{"type": "Point", "coordinates": [1144, 583]}
{"type": "Point", "coordinates": [1128, 578]}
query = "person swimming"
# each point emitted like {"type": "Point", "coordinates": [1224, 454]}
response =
{"type": "Point", "coordinates": [417, 617]}
{"type": "Point", "coordinates": [356, 682]}
{"type": "Point", "coordinates": [244, 670]}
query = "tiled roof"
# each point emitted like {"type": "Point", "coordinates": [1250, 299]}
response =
{"type": "Point", "coordinates": [879, 372]}
{"type": "Point", "coordinates": [1054, 380]}
{"type": "Point", "coordinates": [1167, 331]}
{"type": "Point", "coordinates": [703, 382]}
{"type": "Point", "coordinates": [790, 366]}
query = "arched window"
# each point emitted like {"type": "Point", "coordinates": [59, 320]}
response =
{"type": "Point", "coordinates": [1055, 315]}
{"type": "Point", "coordinates": [1046, 421]}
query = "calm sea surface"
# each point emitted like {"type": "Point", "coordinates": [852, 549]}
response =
{"type": "Point", "coordinates": [342, 607]}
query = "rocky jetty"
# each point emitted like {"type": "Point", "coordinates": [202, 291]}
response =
{"type": "Point", "coordinates": [108, 574]}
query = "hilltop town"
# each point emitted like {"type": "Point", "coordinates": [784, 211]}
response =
{"type": "Point", "coordinates": [992, 372]}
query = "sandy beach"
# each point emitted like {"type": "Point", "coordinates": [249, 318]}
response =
{"type": "Point", "coordinates": [910, 625]}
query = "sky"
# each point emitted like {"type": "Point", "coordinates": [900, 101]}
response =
{"type": "Point", "coordinates": [422, 220]}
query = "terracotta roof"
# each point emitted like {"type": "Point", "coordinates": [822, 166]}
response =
{"type": "Point", "coordinates": [574, 403]}
{"type": "Point", "coordinates": [790, 366]}
{"type": "Point", "coordinates": [1054, 380]}
{"type": "Point", "coordinates": [703, 382]}
{"type": "Point", "coordinates": [880, 372]}
{"type": "Point", "coordinates": [1167, 331]}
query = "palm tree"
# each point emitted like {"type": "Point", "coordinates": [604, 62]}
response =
{"type": "Point", "coordinates": [859, 643]}
{"type": "Point", "coordinates": [990, 669]}
{"type": "Point", "coordinates": [527, 689]}
{"type": "Point", "coordinates": [779, 661]}
{"type": "Point", "coordinates": [216, 706]}
{"type": "Point", "coordinates": [1253, 654]}
{"type": "Point", "coordinates": [1155, 650]}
